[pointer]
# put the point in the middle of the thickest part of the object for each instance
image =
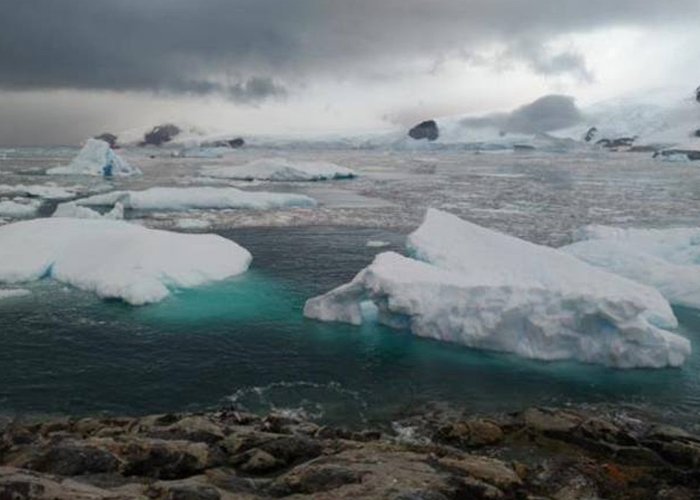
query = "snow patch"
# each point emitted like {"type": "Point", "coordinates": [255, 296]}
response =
{"type": "Point", "coordinates": [487, 290]}
{"type": "Point", "coordinates": [72, 210]}
{"type": "Point", "coordinates": [23, 208]}
{"type": "Point", "coordinates": [10, 293]}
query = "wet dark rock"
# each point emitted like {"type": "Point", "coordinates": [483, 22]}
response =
{"type": "Point", "coordinates": [469, 433]}
{"type": "Point", "coordinates": [697, 94]}
{"type": "Point", "coordinates": [690, 154]}
{"type": "Point", "coordinates": [110, 139]}
{"type": "Point", "coordinates": [590, 134]}
{"type": "Point", "coordinates": [425, 130]}
{"type": "Point", "coordinates": [523, 147]}
{"type": "Point", "coordinates": [620, 142]}
{"type": "Point", "coordinates": [696, 133]}
{"type": "Point", "coordinates": [535, 453]}
{"type": "Point", "coordinates": [236, 143]}
{"type": "Point", "coordinates": [74, 460]}
{"type": "Point", "coordinates": [160, 134]}
{"type": "Point", "coordinates": [315, 479]}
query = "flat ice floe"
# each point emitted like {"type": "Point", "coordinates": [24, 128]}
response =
{"type": "Point", "coordinates": [47, 191]}
{"type": "Point", "coordinates": [483, 289]}
{"type": "Point", "coordinates": [115, 259]}
{"type": "Point", "coordinates": [96, 158]}
{"type": "Point", "coordinates": [666, 259]}
{"type": "Point", "coordinates": [192, 198]}
{"type": "Point", "coordinates": [280, 169]}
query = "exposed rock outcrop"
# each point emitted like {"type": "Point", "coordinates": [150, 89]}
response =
{"type": "Point", "coordinates": [539, 452]}
{"type": "Point", "coordinates": [425, 130]}
{"type": "Point", "coordinates": [110, 139]}
{"type": "Point", "coordinates": [160, 134]}
{"type": "Point", "coordinates": [236, 143]}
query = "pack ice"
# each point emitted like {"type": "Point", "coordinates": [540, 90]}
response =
{"type": "Point", "coordinates": [280, 169]}
{"type": "Point", "coordinates": [666, 259]}
{"type": "Point", "coordinates": [115, 259]}
{"type": "Point", "coordinates": [97, 158]}
{"type": "Point", "coordinates": [477, 287]}
{"type": "Point", "coordinates": [179, 199]}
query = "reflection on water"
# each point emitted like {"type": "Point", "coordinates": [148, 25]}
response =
{"type": "Point", "coordinates": [245, 342]}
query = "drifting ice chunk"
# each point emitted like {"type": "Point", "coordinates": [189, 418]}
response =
{"type": "Point", "coordinates": [177, 199]}
{"type": "Point", "coordinates": [279, 169]}
{"type": "Point", "coordinates": [97, 158]}
{"type": "Point", "coordinates": [667, 259]}
{"type": "Point", "coordinates": [14, 209]}
{"type": "Point", "coordinates": [487, 290]}
{"type": "Point", "coordinates": [115, 259]}
{"type": "Point", "coordinates": [71, 210]}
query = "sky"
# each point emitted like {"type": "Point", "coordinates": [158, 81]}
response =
{"type": "Point", "coordinates": [74, 68]}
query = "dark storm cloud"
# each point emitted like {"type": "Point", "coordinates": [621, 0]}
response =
{"type": "Point", "coordinates": [248, 49]}
{"type": "Point", "coordinates": [551, 112]}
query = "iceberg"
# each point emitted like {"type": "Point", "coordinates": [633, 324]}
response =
{"type": "Point", "coordinates": [115, 259]}
{"type": "Point", "coordinates": [483, 289]}
{"type": "Point", "coordinates": [666, 259]}
{"type": "Point", "coordinates": [180, 199]}
{"type": "Point", "coordinates": [9, 208]}
{"type": "Point", "coordinates": [280, 169]}
{"type": "Point", "coordinates": [96, 158]}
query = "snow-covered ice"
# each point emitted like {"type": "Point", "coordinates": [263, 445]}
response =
{"type": "Point", "coordinates": [115, 259]}
{"type": "Point", "coordinates": [180, 199]}
{"type": "Point", "coordinates": [96, 158]}
{"type": "Point", "coordinates": [280, 169]}
{"type": "Point", "coordinates": [24, 208]}
{"type": "Point", "coordinates": [667, 259]}
{"type": "Point", "coordinates": [72, 210]}
{"type": "Point", "coordinates": [484, 289]}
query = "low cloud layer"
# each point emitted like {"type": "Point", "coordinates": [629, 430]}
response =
{"type": "Point", "coordinates": [552, 112]}
{"type": "Point", "coordinates": [252, 50]}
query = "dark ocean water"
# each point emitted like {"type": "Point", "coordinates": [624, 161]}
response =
{"type": "Point", "coordinates": [245, 342]}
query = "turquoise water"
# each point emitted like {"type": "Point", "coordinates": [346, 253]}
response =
{"type": "Point", "coordinates": [245, 342]}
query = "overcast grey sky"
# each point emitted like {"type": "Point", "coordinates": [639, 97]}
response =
{"type": "Point", "coordinates": [71, 68]}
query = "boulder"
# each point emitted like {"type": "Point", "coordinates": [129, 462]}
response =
{"type": "Point", "coordinates": [697, 94]}
{"type": "Point", "coordinates": [110, 139]}
{"type": "Point", "coordinates": [690, 154]}
{"type": "Point", "coordinates": [425, 130]}
{"type": "Point", "coordinates": [160, 134]}
{"type": "Point", "coordinates": [590, 134]}
{"type": "Point", "coordinates": [236, 143]}
{"type": "Point", "coordinates": [619, 142]}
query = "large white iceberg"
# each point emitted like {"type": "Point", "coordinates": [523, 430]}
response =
{"type": "Point", "coordinates": [667, 259]}
{"type": "Point", "coordinates": [487, 290]}
{"type": "Point", "coordinates": [280, 169]}
{"type": "Point", "coordinates": [178, 199]}
{"type": "Point", "coordinates": [97, 158]}
{"type": "Point", "coordinates": [116, 259]}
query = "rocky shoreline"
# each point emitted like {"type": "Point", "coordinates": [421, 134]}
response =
{"type": "Point", "coordinates": [431, 455]}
